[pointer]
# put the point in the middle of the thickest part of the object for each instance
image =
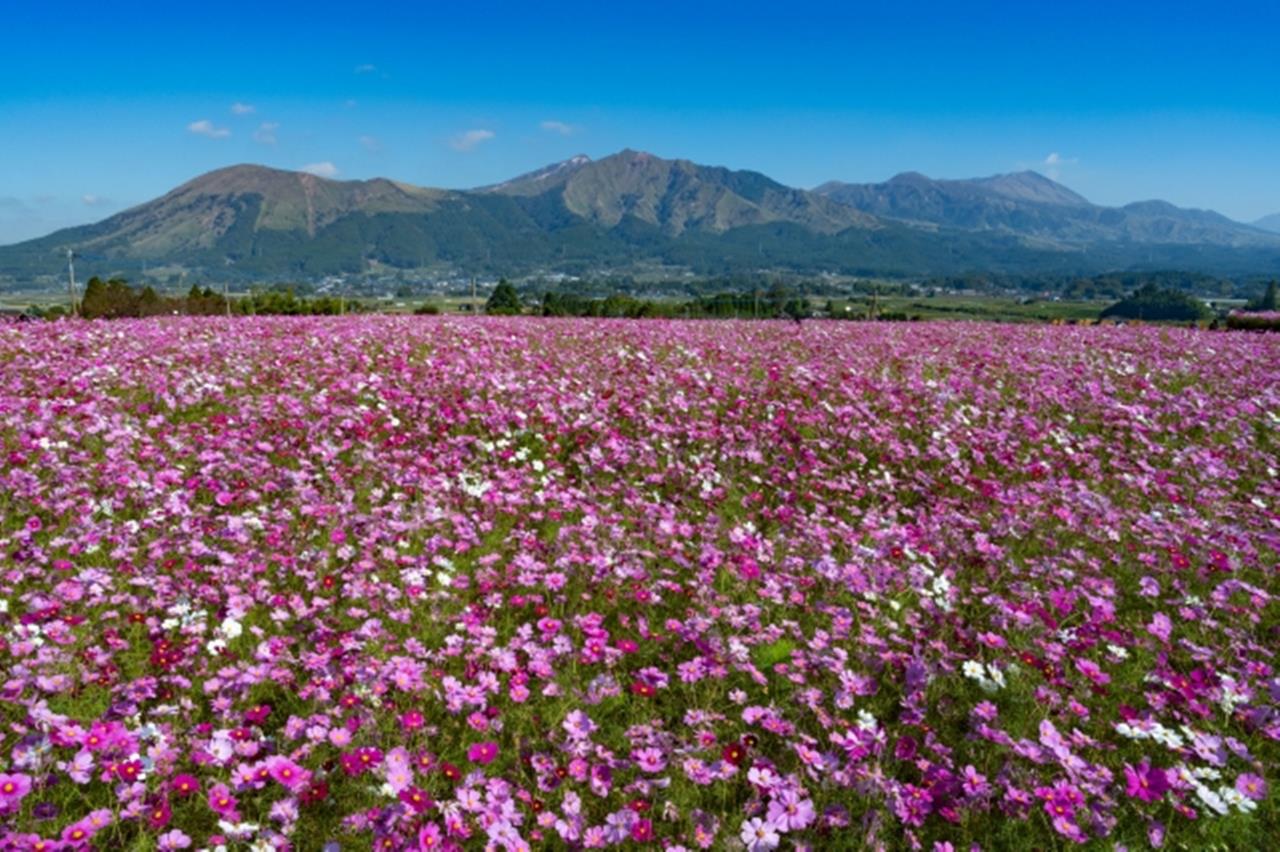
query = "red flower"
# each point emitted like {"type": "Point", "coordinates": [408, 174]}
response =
{"type": "Point", "coordinates": [643, 689]}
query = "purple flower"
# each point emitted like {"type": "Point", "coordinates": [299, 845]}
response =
{"type": "Point", "coordinates": [1145, 782]}
{"type": "Point", "coordinates": [1251, 786]}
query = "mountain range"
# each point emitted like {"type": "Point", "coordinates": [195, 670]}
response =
{"type": "Point", "coordinates": [634, 210]}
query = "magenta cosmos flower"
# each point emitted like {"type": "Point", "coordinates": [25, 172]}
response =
{"type": "Point", "coordinates": [221, 801]}
{"type": "Point", "coordinates": [13, 789]}
{"type": "Point", "coordinates": [482, 753]}
{"type": "Point", "coordinates": [185, 785]}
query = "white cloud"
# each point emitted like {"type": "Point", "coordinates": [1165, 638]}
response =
{"type": "Point", "coordinates": [1054, 162]}
{"type": "Point", "coordinates": [205, 127]}
{"type": "Point", "coordinates": [370, 143]}
{"type": "Point", "coordinates": [91, 200]}
{"type": "Point", "coordinates": [239, 108]}
{"type": "Point", "coordinates": [324, 170]}
{"type": "Point", "coordinates": [469, 140]}
{"type": "Point", "coordinates": [366, 68]}
{"type": "Point", "coordinates": [558, 127]}
{"type": "Point", "coordinates": [350, 103]}
{"type": "Point", "coordinates": [266, 133]}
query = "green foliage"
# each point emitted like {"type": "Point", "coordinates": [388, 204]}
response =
{"type": "Point", "coordinates": [1151, 303]}
{"type": "Point", "coordinates": [285, 302]}
{"type": "Point", "coordinates": [614, 305]}
{"type": "Point", "coordinates": [504, 301]}
{"type": "Point", "coordinates": [1267, 301]}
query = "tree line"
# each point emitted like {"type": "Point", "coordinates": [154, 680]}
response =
{"type": "Point", "coordinates": [115, 298]}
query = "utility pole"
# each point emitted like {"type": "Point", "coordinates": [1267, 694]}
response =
{"type": "Point", "coordinates": [71, 281]}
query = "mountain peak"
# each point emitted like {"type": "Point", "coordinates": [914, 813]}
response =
{"type": "Point", "coordinates": [1031, 186]}
{"type": "Point", "coordinates": [909, 178]}
{"type": "Point", "coordinates": [239, 177]}
{"type": "Point", "coordinates": [1269, 223]}
{"type": "Point", "coordinates": [540, 180]}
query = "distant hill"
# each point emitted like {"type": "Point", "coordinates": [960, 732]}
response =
{"type": "Point", "coordinates": [631, 210]}
{"type": "Point", "coordinates": [1031, 205]}
{"type": "Point", "coordinates": [1269, 223]}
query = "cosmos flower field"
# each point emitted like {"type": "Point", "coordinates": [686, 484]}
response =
{"type": "Point", "coordinates": [442, 583]}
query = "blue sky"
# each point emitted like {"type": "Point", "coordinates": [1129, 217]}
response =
{"type": "Point", "coordinates": [105, 105]}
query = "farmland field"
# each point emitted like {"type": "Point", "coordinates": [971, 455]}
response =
{"type": "Point", "coordinates": [431, 582]}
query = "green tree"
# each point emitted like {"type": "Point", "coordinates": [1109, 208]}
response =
{"type": "Point", "coordinates": [122, 301]}
{"type": "Point", "coordinates": [1268, 301]}
{"type": "Point", "coordinates": [503, 301]}
{"type": "Point", "coordinates": [1151, 303]}
{"type": "Point", "coordinates": [94, 301]}
{"type": "Point", "coordinates": [150, 302]}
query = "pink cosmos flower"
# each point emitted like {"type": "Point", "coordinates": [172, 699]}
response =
{"type": "Point", "coordinates": [759, 835]}
{"type": "Point", "coordinates": [173, 840]}
{"type": "Point", "coordinates": [80, 833]}
{"type": "Point", "coordinates": [649, 759]}
{"type": "Point", "coordinates": [288, 774]}
{"type": "Point", "coordinates": [222, 802]}
{"type": "Point", "coordinates": [430, 837]}
{"type": "Point", "coordinates": [1160, 627]}
{"type": "Point", "coordinates": [790, 811]}
{"type": "Point", "coordinates": [579, 725]}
